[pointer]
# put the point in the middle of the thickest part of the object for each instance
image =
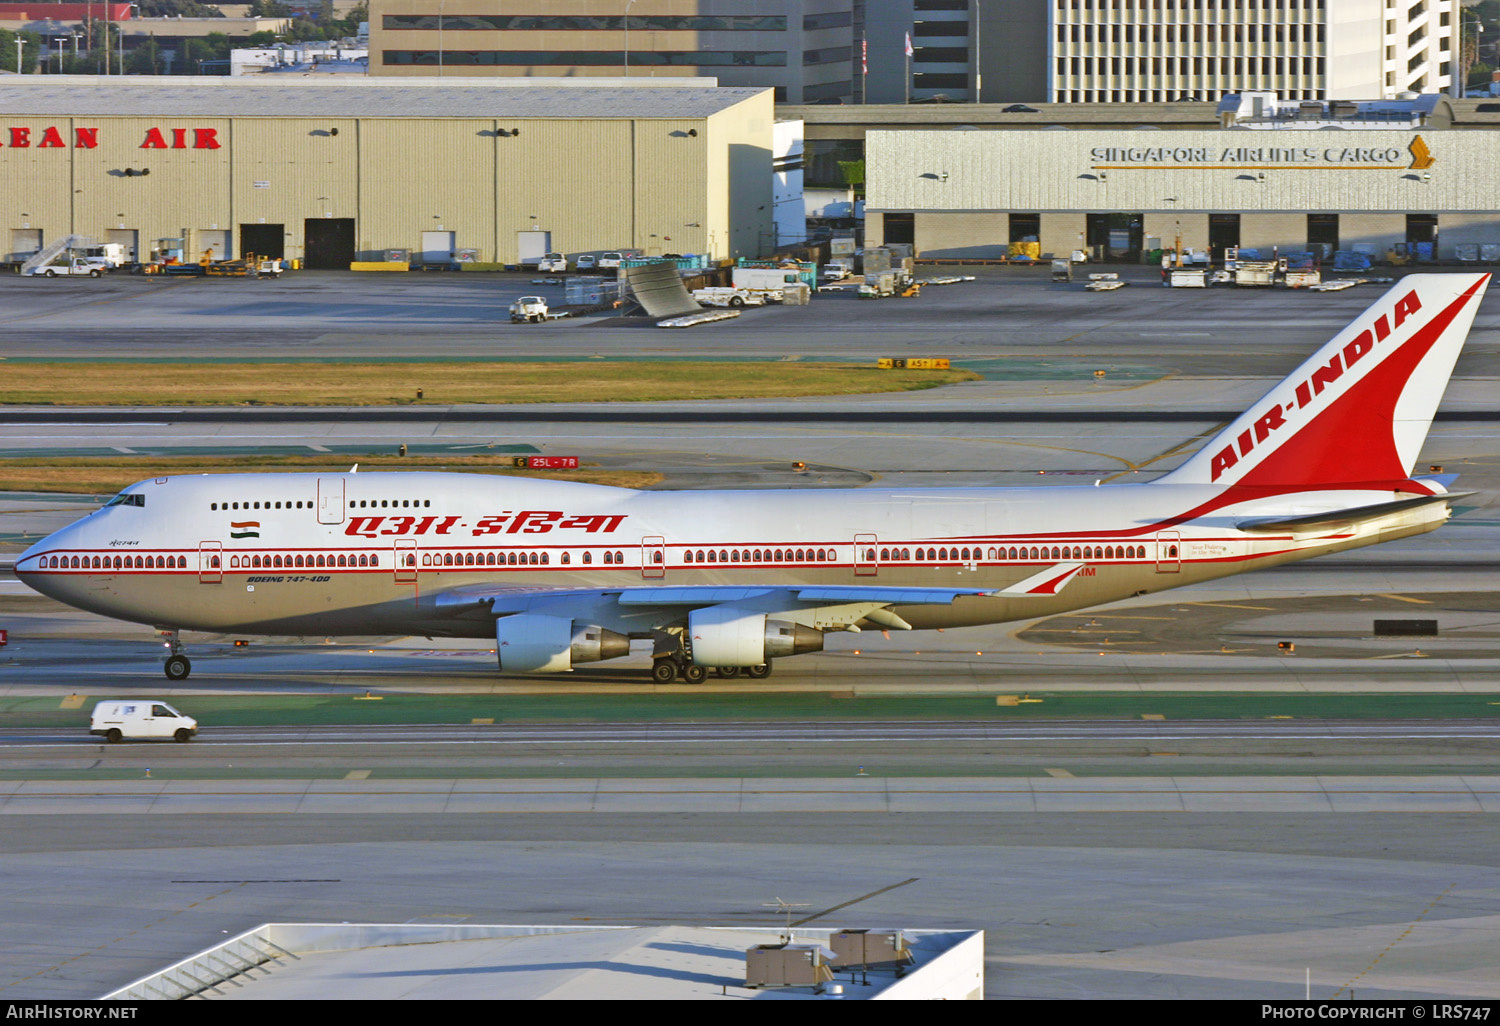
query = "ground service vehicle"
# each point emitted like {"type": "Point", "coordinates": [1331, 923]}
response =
{"type": "Point", "coordinates": [553, 263]}
{"type": "Point", "coordinates": [836, 271]}
{"type": "Point", "coordinates": [726, 295]}
{"type": "Point", "coordinates": [141, 718]}
{"type": "Point", "coordinates": [557, 573]}
{"type": "Point", "coordinates": [111, 254]}
{"type": "Point", "coordinates": [532, 309]}
{"type": "Point", "coordinates": [73, 266]}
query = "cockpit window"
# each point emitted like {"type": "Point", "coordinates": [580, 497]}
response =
{"type": "Point", "coordinates": [124, 499]}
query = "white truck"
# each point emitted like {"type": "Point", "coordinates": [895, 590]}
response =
{"type": "Point", "coordinates": [110, 254]}
{"type": "Point", "coordinates": [148, 718]}
{"type": "Point", "coordinates": [769, 282]}
{"type": "Point", "coordinates": [836, 271]}
{"type": "Point", "coordinates": [75, 265]}
{"type": "Point", "coordinates": [553, 263]}
{"type": "Point", "coordinates": [724, 295]}
{"type": "Point", "coordinates": [532, 309]}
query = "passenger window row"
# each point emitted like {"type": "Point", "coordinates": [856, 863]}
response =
{"type": "Point", "coordinates": [116, 562]}
{"type": "Point", "coordinates": [758, 555]}
{"type": "Point", "coordinates": [292, 562]}
{"type": "Point", "coordinates": [510, 558]}
{"type": "Point", "coordinates": [390, 503]}
{"type": "Point", "coordinates": [258, 505]}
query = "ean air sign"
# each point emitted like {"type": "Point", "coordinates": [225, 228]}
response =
{"type": "Point", "coordinates": [17, 137]}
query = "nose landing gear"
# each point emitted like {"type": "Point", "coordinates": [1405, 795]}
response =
{"type": "Point", "coordinates": [177, 665]}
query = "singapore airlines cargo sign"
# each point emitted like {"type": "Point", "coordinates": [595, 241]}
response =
{"type": "Point", "coordinates": [1263, 158]}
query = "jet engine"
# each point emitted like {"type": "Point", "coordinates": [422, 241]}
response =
{"type": "Point", "coordinates": [534, 643]}
{"type": "Point", "coordinates": [724, 636]}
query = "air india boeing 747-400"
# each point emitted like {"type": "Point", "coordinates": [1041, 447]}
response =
{"type": "Point", "coordinates": [559, 573]}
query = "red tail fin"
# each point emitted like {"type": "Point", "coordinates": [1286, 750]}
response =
{"type": "Point", "coordinates": [1359, 409]}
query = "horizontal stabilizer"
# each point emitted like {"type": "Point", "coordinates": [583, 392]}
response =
{"type": "Point", "coordinates": [1344, 516]}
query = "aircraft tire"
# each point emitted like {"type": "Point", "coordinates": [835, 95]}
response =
{"type": "Point", "coordinates": [760, 672]}
{"type": "Point", "coordinates": [177, 667]}
{"type": "Point", "coordinates": [664, 671]}
{"type": "Point", "coordinates": [692, 673]}
{"type": "Point", "coordinates": [182, 735]}
{"type": "Point", "coordinates": [113, 735]}
{"type": "Point", "coordinates": [728, 671]}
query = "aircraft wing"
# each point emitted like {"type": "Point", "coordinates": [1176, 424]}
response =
{"type": "Point", "coordinates": [837, 607]}
{"type": "Point", "coordinates": [827, 607]}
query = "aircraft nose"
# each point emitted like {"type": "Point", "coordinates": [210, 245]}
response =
{"type": "Point", "coordinates": [31, 564]}
{"type": "Point", "coordinates": [29, 561]}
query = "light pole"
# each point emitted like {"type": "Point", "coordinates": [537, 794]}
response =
{"type": "Point", "coordinates": [1464, 61]}
{"type": "Point", "coordinates": [978, 55]}
{"type": "Point", "coordinates": [626, 20]}
{"type": "Point", "coordinates": [19, 43]}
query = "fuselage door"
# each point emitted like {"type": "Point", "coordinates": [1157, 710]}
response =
{"type": "Point", "coordinates": [406, 561]}
{"type": "Point", "coordinates": [210, 562]}
{"type": "Point", "coordinates": [1168, 552]}
{"type": "Point", "coordinates": [866, 556]}
{"type": "Point", "coordinates": [330, 500]}
{"type": "Point", "coordinates": [653, 556]}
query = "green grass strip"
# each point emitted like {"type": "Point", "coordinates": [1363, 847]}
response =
{"type": "Point", "coordinates": [347, 709]}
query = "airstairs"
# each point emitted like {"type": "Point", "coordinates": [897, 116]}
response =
{"type": "Point", "coordinates": [47, 254]}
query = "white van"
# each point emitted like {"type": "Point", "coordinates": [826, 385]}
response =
{"type": "Point", "coordinates": [140, 718]}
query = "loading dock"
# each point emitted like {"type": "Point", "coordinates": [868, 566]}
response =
{"type": "Point", "coordinates": [328, 243]}
{"type": "Point", "coordinates": [267, 240]}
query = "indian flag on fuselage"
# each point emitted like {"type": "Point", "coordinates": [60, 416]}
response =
{"type": "Point", "coordinates": [244, 529]}
{"type": "Point", "coordinates": [1357, 412]}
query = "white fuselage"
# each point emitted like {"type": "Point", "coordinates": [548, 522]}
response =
{"type": "Point", "coordinates": [386, 553]}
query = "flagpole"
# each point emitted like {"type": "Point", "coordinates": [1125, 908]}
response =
{"type": "Point", "coordinates": [908, 49]}
{"type": "Point", "coordinates": [864, 68]}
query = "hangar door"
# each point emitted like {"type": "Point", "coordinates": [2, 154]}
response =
{"type": "Point", "coordinates": [328, 243]}
{"type": "Point", "coordinates": [264, 240]}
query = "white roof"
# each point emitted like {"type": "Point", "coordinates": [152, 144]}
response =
{"type": "Point", "coordinates": [384, 962]}
{"type": "Point", "coordinates": [359, 96]}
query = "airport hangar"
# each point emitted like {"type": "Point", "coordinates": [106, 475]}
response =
{"type": "Point", "coordinates": [333, 172]}
{"type": "Point", "coordinates": [970, 189]}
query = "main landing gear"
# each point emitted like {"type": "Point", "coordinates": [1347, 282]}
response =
{"type": "Point", "coordinates": [667, 668]}
{"type": "Point", "coordinates": [177, 665]}
{"type": "Point", "coordinates": [673, 658]}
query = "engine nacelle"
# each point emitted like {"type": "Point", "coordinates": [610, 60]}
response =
{"type": "Point", "coordinates": [534, 643]}
{"type": "Point", "coordinates": [724, 636]}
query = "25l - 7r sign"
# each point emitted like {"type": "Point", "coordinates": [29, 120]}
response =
{"type": "Point", "coordinates": [53, 137]}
